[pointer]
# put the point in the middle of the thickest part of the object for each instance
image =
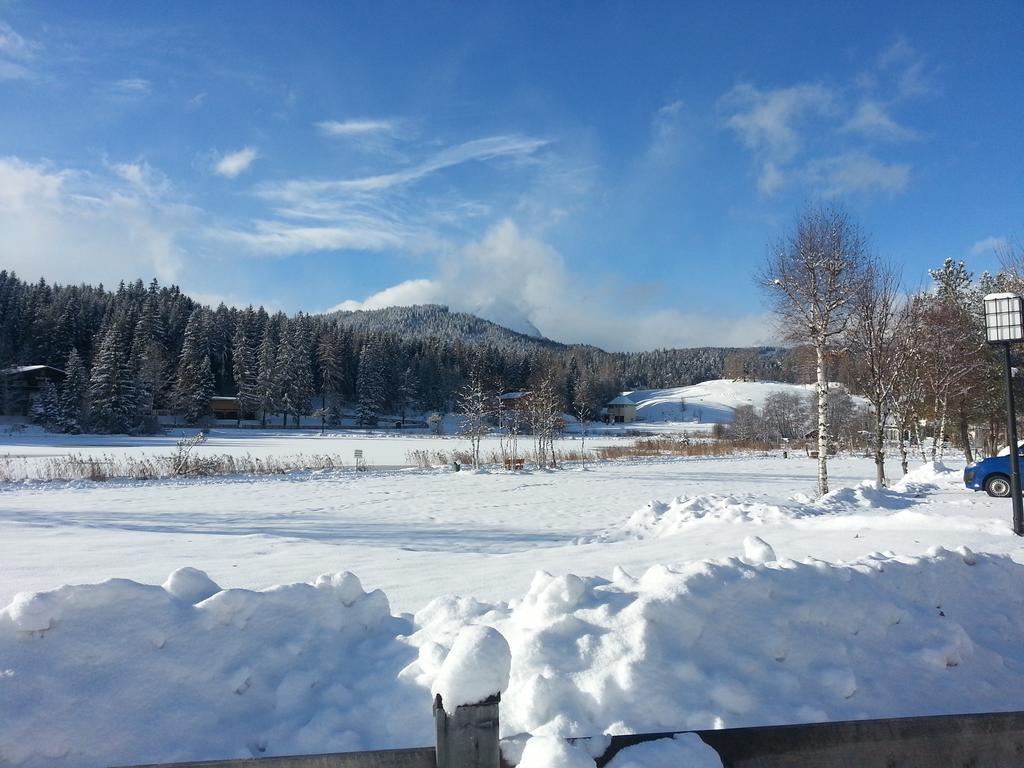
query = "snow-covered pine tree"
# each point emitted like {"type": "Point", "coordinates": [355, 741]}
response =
{"type": "Point", "coordinates": [329, 361]}
{"type": "Point", "coordinates": [408, 392]}
{"type": "Point", "coordinates": [46, 408]}
{"type": "Point", "coordinates": [194, 386]}
{"type": "Point", "coordinates": [74, 396]}
{"type": "Point", "coordinates": [370, 382]}
{"type": "Point", "coordinates": [111, 385]}
{"type": "Point", "coordinates": [245, 364]}
{"type": "Point", "coordinates": [300, 379]}
{"type": "Point", "coordinates": [267, 388]}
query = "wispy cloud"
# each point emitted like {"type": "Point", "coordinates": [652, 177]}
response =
{"type": "Point", "coordinates": [234, 163]}
{"type": "Point", "coordinates": [142, 177]}
{"type": "Point", "coordinates": [370, 213]}
{"type": "Point", "coordinates": [131, 86]}
{"type": "Point", "coordinates": [490, 148]}
{"type": "Point", "coordinates": [14, 46]}
{"type": "Point", "coordinates": [815, 135]}
{"type": "Point", "coordinates": [856, 172]}
{"type": "Point", "coordinates": [769, 122]}
{"type": "Point", "coordinates": [16, 52]}
{"type": "Point", "coordinates": [990, 245]}
{"type": "Point", "coordinates": [908, 69]}
{"type": "Point", "coordinates": [361, 127]}
{"type": "Point", "coordinates": [766, 121]}
{"type": "Point", "coordinates": [872, 120]}
{"type": "Point", "coordinates": [276, 238]}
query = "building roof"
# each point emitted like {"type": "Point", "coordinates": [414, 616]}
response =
{"type": "Point", "coordinates": [29, 369]}
{"type": "Point", "coordinates": [512, 395]}
{"type": "Point", "coordinates": [621, 400]}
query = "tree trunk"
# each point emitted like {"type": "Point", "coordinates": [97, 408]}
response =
{"type": "Point", "coordinates": [904, 453]}
{"type": "Point", "coordinates": [822, 421]}
{"type": "Point", "coordinates": [940, 438]}
{"type": "Point", "coordinates": [879, 444]}
{"type": "Point", "coordinates": [965, 438]}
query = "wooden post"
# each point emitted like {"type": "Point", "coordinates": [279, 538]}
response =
{"type": "Point", "coordinates": [469, 737]}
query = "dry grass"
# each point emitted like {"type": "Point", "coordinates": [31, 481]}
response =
{"type": "Point", "coordinates": [108, 467]}
{"type": "Point", "coordinates": [646, 447]}
{"type": "Point", "coordinates": [666, 446]}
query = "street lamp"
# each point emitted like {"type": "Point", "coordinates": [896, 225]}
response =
{"type": "Point", "coordinates": [1004, 324]}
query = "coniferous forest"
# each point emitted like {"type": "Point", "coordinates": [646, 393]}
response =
{"type": "Point", "coordinates": [142, 350]}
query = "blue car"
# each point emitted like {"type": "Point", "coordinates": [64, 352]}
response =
{"type": "Point", "coordinates": [991, 475]}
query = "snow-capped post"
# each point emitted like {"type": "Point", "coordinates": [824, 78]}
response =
{"type": "Point", "coordinates": [467, 695]}
{"type": "Point", "coordinates": [1004, 324]}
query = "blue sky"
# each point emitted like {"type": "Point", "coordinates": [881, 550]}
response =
{"type": "Point", "coordinates": [610, 172]}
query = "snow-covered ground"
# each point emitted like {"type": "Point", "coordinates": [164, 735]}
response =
{"type": "Point", "coordinates": [380, 448]}
{"type": "Point", "coordinates": [682, 593]}
{"type": "Point", "coordinates": [710, 402]}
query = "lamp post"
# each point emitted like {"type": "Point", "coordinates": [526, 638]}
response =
{"type": "Point", "coordinates": [1004, 324]}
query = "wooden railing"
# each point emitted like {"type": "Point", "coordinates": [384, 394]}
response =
{"type": "Point", "coordinates": [468, 738]}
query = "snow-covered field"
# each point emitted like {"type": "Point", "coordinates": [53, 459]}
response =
{"type": "Point", "coordinates": [672, 594]}
{"type": "Point", "coordinates": [380, 448]}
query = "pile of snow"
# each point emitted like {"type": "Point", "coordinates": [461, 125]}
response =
{"type": "Point", "coordinates": [731, 643]}
{"type": "Point", "coordinates": [658, 519]}
{"type": "Point", "coordinates": [122, 672]}
{"type": "Point", "coordinates": [475, 669]}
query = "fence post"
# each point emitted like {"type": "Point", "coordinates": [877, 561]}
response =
{"type": "Point", "coordinates": [468, 738]}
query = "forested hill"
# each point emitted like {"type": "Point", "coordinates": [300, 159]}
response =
{"type": "Point", "coordinates": [140, 349]}
{"type": "Point", "coordinates": [437, 321]}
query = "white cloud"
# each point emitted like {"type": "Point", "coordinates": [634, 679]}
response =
{"type": "Point", "coordinates": [142, 177]}
{"type": "Point", "coordinates": [14, 46]}
{"type": "Point", "coordinates": [347, 128]}
{"type": "Point", "coordinates": [407, 294]}
{"type": "Point", "coordinates": [71, 226]}
{"type": "Point", "coordinates": [131, 86]}
{"type": "Point", "coordinates": [766, 121]}
{"type": "Point", "coordinates": [908, 69]}
{"type": "Point", "coordinates": [770, 179]}
{"type": "Point", "coordinates": [856, 172]}
{"type": "Point", "coordinates": [15, 53]}
{"type": "Point", "coordinates": [302, 191]}
{"type": "Point", "coordinates": [371, 213]}
{"type": "Point", "coordinates": [234, 163]}
{"type": "Point", "coordinates": [274, 238]}
{"type": "Point", "coordinates": [519, 281]}
{"type": "Point", "coordinates": [990, 245]}
{"type": "Point", "coordinates": [873, 121]}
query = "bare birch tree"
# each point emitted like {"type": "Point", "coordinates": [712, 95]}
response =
{"type": "Point", "coordinates": [878, 338]}
{"type": "Point", "coordinates": [475, 410]}
{"type": "Point", "coordinates": [812, 277]}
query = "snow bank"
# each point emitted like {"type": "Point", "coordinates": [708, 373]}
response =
{"type": "Point", "coordinates": [657, 519]}
{"type": "Point", "coordinates": [122, 672]}
{"type": "Point", "coordinates": [730, 643]}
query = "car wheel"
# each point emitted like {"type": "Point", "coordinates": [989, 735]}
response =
{"type": "Point", "coordinates": [997, 485]}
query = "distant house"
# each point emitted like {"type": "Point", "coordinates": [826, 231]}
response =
{"type": "Point", "coordinates": [514, 399]}
{"type": "Point", "coordinates": [621, 410]}
{"type": "Point", "coordinates": [225, 408]}
{"type": "Point", "coordinates": [19, 386]}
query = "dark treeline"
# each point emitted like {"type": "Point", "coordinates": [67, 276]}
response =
{"type": "Point", "coordinates": [140, 350]}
